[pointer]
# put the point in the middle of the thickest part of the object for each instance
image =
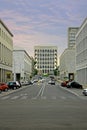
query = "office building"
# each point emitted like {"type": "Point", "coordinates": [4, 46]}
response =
{"type": "Point", "coordinates": [46, 59]}
{"type": "Point", "coordinates": [72, 36]}
{"type": "Point", "coordinates": [6, 49]}
{"type": "Point", "coordinates": [22, 65]}
{"type": "Point", "coordinates": [81, 54]}
{"type": "Point", "coordinates": [67, 64]}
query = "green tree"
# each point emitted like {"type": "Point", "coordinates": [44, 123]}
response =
{"type": "Point", "coordinates": [56, 71]}
{"type": "Point", "coordinates": [35, 72]}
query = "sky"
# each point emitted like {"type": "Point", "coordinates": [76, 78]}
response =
{"type": "Point", "coordinates": [42, 22]}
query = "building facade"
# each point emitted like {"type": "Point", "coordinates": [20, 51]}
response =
{"type": "Point", "coordinates": [81, 54]}
{"type": "Point", "coordinates": [22, 65]}
{"type": "Point", "coordinates": [72, 36]}
{"type": "Point", "coordinates": [67, 64]}
{"type": "Point", "coordinates": [68, 57]}
{"type": "Point", "coordinates": [46, 59]}
{"type": "Point", "coordinates": [6, 49]}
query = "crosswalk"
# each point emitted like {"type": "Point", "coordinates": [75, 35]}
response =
{"type": "Point", "coordinates": [26, 96]}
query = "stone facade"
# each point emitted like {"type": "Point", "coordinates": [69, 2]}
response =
{"type": "Point", "coordinates": [81, 54]}
{"type": "Point", "coordinates": [67, 63]}
{"type": "Point", "coordinates": [22, 65]}
{"type": "Point", "coordinates": [6, 49]}
{"type": "Point", "coordinates": [46, 59]}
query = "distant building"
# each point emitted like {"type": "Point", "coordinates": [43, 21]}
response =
{"type": "Point", "coordinates": [6, 50]}
{"type": "Point", "coordinates": [67, 64]}
{"type": "Point", "coordinates": [72, 36]}
{"type": "Point", "coordinates": [46, 59]}
{"type": "Point", "coordinates": [68, 57]}
{"type": "Point", "coordinates": [22, 65]}
{"type": "Point", "coordinates": [33, 62]}
{"type": "Point", "coordinates": [81, 54]}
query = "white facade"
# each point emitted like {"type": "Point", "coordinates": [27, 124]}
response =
{"type": "Point", "coordinates": [67, 63]}
{"type": "Point", "coordinates": [22, 65]}
{"type": "Point", "coordinates": [72, 36]}
{"type": "Point", "coordinates": [81, 54]}
{"type": "Point", "coordinates": [6, 50]}
{"type": "Point", "coordinates": [46, 59]}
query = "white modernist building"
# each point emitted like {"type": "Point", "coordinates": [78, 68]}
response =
{"type": "Point", "coordinates": [22, 65]}
{"type": "Point", "coordinates": [72, 31]}
{"type": "Point", "coordinates": [46, 59]}
{"type": "Point", "coordinates": [81, 53]}
{"type": "Point", "coordinates": [68, 58]}
{"type": "Point", "coordinates": [6, 50]}
{"type": "Point", "coordinates": [67, 64]}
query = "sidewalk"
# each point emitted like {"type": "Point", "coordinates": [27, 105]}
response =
{"type": "Point", "coordinates": [12, 91]}
{"type": "Point", "coordinates": [77, 92]}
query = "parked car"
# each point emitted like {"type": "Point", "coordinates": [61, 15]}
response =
{"type": "Point", "coordinates": [64, 83]}
{"type": "Point", "coordinates": [74, 84]}
{"type": "Point", "coordinates": [13, 84]}
{"type": "Point", "coordinates": [24, 83]}
{"type": "Point", "coordinates": [52, 82]}
{"type": "Point", "coordinates": [34, 81]}
{"type": "Point", "coordinates": [85, 91]}
{"type": "Point", "coordinates": [3, 87]}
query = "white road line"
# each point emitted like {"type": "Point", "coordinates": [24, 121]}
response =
{"type": "Point", "coordinates": [43, 90]}
{"type": "Point", "coordinates": [15, 97]}
{"type": "Point", "coordinates": [39, 92]}
{"type": "Point", "coordinates": [34, 98]}
{"type": "Point", "coordinates": [63, 97]}
{"type": "Point", "coordinates": [6, 97]}
{"type": "Point", "coordinates": [23, 94]}
{"type": "Point", "coordinates": [24, 97]}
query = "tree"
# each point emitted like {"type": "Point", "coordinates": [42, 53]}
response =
{"type": "Point", "coordinates": [35, 72]}
{"type": "Point", "coordinates": [56, 71]}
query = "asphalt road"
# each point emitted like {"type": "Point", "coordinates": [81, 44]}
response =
{"type": "Point", "coordinates": [43, 107]}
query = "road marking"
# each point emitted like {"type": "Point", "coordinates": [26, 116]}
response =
{"type": "Point", "coordinates": [41, 91]}
{"type": "Point", "coordinates": [23, 94]}
{"type": "Point", "coordinates": [24, 97]}
{"type": "Point", "coordinates": [34, 98]}
{"type": "Point", "coordinates": [15, 97]}
{"type": "Point", "coordinates": [6, 97]}
{"type": "Point", "coordinates": [63, 97]}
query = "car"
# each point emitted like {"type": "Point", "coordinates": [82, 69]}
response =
{"type": "Point", "coordinates": [52, 82]}
{"type": "Point", "coordinates": [13, 84]}
{"type": "Point", "coordinates": [69, 84]}
{"type": "Point", "coordinates": [24, 83]}
{"type": "Point", "coordinates": [3, 87]}
{"type": "Point", "coordinates": [41, 80]}
{"type": "Point", "coordinates": [85, 91]}
{"type": "Point", "coordinates": [34, 81]}
{"type": "Point", "coordinates": [64, 83]}
{"type": "Point", "coordinates": [74, 84]}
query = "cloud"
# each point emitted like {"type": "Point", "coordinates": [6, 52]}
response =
{"type": "Point", "coordinates": [42, 22]}
{"type": "Point", "coordinates": [29, 41]}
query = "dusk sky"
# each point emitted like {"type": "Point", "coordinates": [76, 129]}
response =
{"type": "Point", "coordinates": [42, 22]}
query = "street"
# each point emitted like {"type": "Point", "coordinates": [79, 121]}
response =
{"type": "Point", "coordinates": [42, 106]}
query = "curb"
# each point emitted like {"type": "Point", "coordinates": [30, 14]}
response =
{"type": "Point", "coordinates": [12, 91]}
{"type": "Point", "coordinates": [75, 91]}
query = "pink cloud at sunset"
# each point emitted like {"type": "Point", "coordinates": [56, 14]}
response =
{"type": "Point", "coordinates": [42, 22]}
